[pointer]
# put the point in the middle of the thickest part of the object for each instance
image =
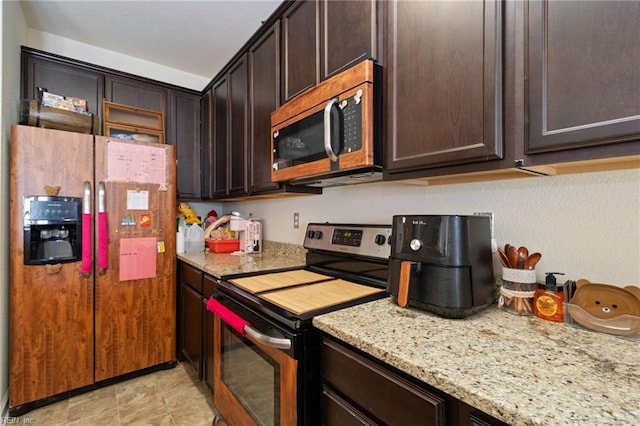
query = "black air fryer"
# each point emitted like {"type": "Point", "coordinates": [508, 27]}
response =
{"type": "Point", "coordinates": [442, 264]}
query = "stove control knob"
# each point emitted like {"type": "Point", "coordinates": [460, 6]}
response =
{"type": "Point", "coordinates": [380, 239]}
{"type": "Point", "coordinates": [317, 235]}
{"type": "Point", "coordinates": [310, 235]}
{"type": "Point", "coordinates": [415, 244]}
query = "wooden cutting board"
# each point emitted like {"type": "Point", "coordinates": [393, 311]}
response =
{"type": "Point", "coordinates": [276, 280]}
{"type": "Point", "coordinates": [303, 299]}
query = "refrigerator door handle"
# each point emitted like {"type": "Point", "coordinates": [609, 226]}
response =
{"type": "Point", "coordinates": [103, 235]}
{"type": "Point", "coordinates": [86, 230]}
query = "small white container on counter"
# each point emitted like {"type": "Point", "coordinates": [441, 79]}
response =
{"type": "Point", "coordinates": [194, 239]}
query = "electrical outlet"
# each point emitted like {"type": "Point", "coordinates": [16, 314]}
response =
{"type": "Point", "coordinates": [296, 220]}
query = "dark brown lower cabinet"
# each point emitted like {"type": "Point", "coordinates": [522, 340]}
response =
{"type": "Point", "coordinates": [190, 314]}
{"type": "Point", "coordinates": [196, 322]}
{"type": "Point", "coordinates": [208, 287]}
{"type": "Point", "coordinates": [358, 390]}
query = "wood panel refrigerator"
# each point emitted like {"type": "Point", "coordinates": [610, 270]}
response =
{"type": "Point", "coordinates": [101, 303]}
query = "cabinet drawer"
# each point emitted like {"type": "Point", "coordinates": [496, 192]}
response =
{"type": "Point", "coordinates": [192, 276]}
{"type": "Point", "coordinates": [377, 391]}
{"type": "Point", "coordinates": [208, 286]}
{"type": "Point", "coordinates": [337, 411]}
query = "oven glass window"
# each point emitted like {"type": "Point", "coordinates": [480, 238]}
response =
{"type": "Point", "coordinates": [252, 376]}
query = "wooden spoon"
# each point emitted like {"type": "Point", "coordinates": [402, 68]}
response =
{"type": "Point", "coordinates": [532, 260]}
{"type": "Point", "coordinates": [503, 258]}
{"type": "Point", "coordinates": [512, 255]}
{"type": "Point", "coordinates": [523, 253]}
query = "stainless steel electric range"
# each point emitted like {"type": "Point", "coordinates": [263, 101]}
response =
{"type": "Point", "coordinates": [266, 351]}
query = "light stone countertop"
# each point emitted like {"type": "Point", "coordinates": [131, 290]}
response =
{"type": "Point", "coordinates": [520, 369]}
{"type": "Point", "coordinates": [274, 256]}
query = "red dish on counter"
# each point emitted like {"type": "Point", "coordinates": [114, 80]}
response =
{"type": "Point", "coordinates": [222, 246]}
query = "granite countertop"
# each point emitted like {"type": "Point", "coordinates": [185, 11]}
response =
{"type": "Point", "coordinates": [520, 369]}
{"type": "Point", "coordinates": [274, 256]}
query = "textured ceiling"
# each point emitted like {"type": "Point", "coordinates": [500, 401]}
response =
{"type": "Point", "coordinates": [198, 37]}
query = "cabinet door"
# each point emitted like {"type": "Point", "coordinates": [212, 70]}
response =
{"type": "Point", "coordinates": [443, 87]}
{"type": "Point", "coordinates": [301, 50]}
{"type": "Point", "coordinates": [238, 107]}
{"type": "Point", "coordinates": [584, 74]}
{"type": "Point", "coordinates": [209, 285]}
{"type": "Point", "coordinates": [191, 326]}
{"type": "Point", "coordinates": [349, 34]}
{"type": "Point", "coordinates": [219, 141]}
{"type": "Point", "coordinates": [206, 141]}
{"type": "Point", "coordinates": [264, 83]}
{"type": "Point", "coordinates": [136, 93]}
{"type": "Point", "coordinates": [337, 411]}
{"type": "Point", "coordinates": [185, 134]}
{"type": "Point", "coordinates": [62, 79]}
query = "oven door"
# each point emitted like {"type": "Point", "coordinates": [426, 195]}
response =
{"type": "Point", "coordinates": [254, 373]}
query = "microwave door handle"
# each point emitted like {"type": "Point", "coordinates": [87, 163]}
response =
{"type": "Point", "coordinates": [327, 130]}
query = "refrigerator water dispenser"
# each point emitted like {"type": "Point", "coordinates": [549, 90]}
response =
{"type": "Point", "coordinates": [52, 229]}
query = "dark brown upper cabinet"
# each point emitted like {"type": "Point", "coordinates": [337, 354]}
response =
{"type": "Point", "coordinates": [206, 149]}
{"type": "Point", "coordinates": [320, 38]}
{"type": "Point", "coordinates": [443, 86]}
{"type": "Point", "coordinates": [136, 93]}
{"type": "Point", "coordinates": [301, 49]}
{"type": "Point", "coordinates": [583, 78]}
{"type": "Point", "coordinates": [229, 129]}
{"type": "Point", "coordinates": [219, 146]}
{"type": "Point", "coordinates": [238, 127]}
{"type": "Point", "coordinates": [185, 133]}
{"type": "Point", "coordinates": [180, 106]}
{"type": "Point", "coordinates": [349, 33]}
{"type": "Point", "coordinates": [264, 98]}
{"type": "Point", "coordinates": [62, 78]}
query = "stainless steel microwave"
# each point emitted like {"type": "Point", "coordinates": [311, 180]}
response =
{"type": "Point", "coordinates": [331, 134]}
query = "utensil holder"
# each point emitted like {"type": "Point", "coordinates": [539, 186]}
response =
{"type": "Point", "coordinates": [517, 290]}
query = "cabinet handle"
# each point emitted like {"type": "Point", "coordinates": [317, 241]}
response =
{"type": "Point", "coordinates": [327, 130]}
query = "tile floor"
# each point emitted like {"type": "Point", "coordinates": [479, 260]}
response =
{"type": "Point", "coordinates": [167, 398]}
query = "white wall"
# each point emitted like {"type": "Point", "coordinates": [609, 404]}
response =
{"type": "Point", "coordinates": [14, 31]}
{"type": "Point", "coordinates": [585, 225]}
{"type": "Point", "coordinates": [110, 59]}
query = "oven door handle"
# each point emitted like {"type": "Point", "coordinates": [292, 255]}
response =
{"type": "Point", "coordinates": [327, 130]}
{"type": "Point", "coordinates": [243, 326]}
{"type": "Point", "coordinates": [274, 342]}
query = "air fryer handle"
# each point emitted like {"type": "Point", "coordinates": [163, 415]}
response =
{"type": "Point", "coordinates": [403, 283]}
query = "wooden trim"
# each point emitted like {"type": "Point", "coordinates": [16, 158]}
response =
{"type": "Point", "coordinates": [321, 93]}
